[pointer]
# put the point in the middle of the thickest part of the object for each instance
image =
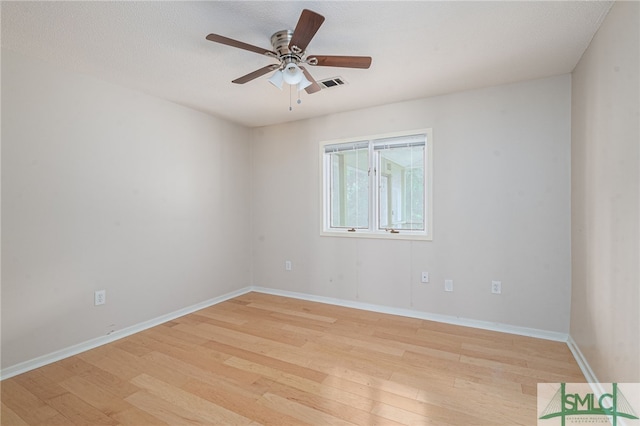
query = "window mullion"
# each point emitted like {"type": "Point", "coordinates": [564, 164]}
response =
{"type": "Point", "coordinates": [373, 182]}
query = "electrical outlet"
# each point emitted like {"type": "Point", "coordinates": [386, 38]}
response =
{"type": "Point", "coordinates": [425, 277]}
{"type": "Point", "coordinates": [287, 265]}
{"type": "Point", "coordinates": [99, 297]}
{"type": "Point", "coordinates": [448, 285]}
{"type": "Point", "coordinates": [496, 287]}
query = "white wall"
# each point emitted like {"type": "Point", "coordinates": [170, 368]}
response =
{"type": "Point", "coordinates": [107, 188]}
{"type": "Point", "coordinates": [605, 314]}
{"type": "Point", "coordinates": [103, 187]}
{"type": "Point", "coordinates": [501, 208]}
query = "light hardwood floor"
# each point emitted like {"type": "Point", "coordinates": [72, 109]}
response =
{"type": "Point", "coordinates": [262, 359]}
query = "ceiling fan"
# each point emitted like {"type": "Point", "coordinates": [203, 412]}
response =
{"type": "Point", "coordinates": [289, 48]}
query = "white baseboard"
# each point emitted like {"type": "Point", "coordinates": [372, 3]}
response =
{"type": "Point", "coordinates": [583, 364]}
{"type": "Point", "coordinates": [485, 325]}
{"type": "Point", "coordinates": [40, 361]}
{"type": "Point", "coordinates": [589, 375]}
{"type": "Point", "coordinates": [43, 360]}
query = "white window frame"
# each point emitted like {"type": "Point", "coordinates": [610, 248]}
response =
{"type": "Point", "coordinates": [372, 231]}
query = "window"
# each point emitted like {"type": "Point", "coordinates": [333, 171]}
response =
{"type": "Point", "coordinates": [378, 186]}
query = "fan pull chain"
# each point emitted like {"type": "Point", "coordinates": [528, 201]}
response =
{"type": "Point", "coordinates": [299, 101]}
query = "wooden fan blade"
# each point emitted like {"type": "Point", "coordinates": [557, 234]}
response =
{"type": "Point", "coordinates": [240, 45]}
{"type": "Point", "coordinates": [314, 87]}
{"type": "Point", "coordinates": [306, 28]}
{"type": "Point", "coordinates": [342, 61]}
{"type": "Point", "coordinates": [255, 74]}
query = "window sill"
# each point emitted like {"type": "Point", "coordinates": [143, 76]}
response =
{"type": "Point", "coordinates": [378, 235]}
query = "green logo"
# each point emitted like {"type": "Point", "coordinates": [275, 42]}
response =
{"type": "Point", "coordinates": [566, 404]}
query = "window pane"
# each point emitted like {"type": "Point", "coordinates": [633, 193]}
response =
{"type": "Point", "coordinates": [401, 187]}
{"type": "Point", "coordinates": [349, 188]}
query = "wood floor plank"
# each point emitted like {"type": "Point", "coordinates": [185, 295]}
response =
{"type": "Point", "coordinates": [279, 364]}
{"type": "Point", "coordinates": [207, 411]}
{"type": "Point", "coordinates": [78, 411]}
{"type": "Point", "coordinates": [240, 401]}
{"type": "Point", "coordinates": [117, 362]}
{"type": "Point", "coordinates": [191, 365]}
{"type": "Point", "coordinates": [174, 336]}
{"type": "Point", "coordinates": [55, 372]}
{"type": "Point", "coordinates": [538, 375]}
{"type": "Point", "coordinates": [40, 385]}
{"type": "Point", "coordinates": [95, 396]}
{"type": "Point", "coordinates": [261, 359]}
{"type": "Point", "coordinates": [326, 357]}
{"type": "Point", "coordinates": [228, 317]}
{"type": "Point", "coordinates": [265, 329]}
{"type": "Point", "coordinates": [364, 397]}
{"type": "Point", "coordinates": [187, 371]}
{"type": "Point", "coordinates": [358, 340]}
{"type": "Point", "coordinates": [135, 416]}
{"type": "Point", "coordinates": [280, 379]}
{"type": "Point", "coordinates": [402, 416]}
{"type": "Point", "coordinates": [428, 368]}
{"type": "Point", "coordinates": [272, 373]}
{"type": "Point", "coordinates": [9, 417]}
{"type": "Point", "coordinates": [339, 407]}
{"type": "Point", "coordinates": [99, 377]}
{"type": "Point", "coordinates": [25, 404]}
{"type": "Point", "coordinates": [57, 420]}
{"type": "Point", "coordinates": [292, 312]}
{"type": "Point", "coordinates": [163, 410]}
{"type": "Point", "coordinates": [300, 411]}
{"type": "Point", "coordinates": [437, 347]}
{"type": "Point", "coordinates": [134, 348]}
{"type": "Point", "coordinates": [373, 382]}
{"type": "Point", "coordinates": [331, 393]}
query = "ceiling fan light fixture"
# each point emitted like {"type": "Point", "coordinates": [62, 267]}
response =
{"type": "Point", "coordinates": [289, 50]}
{"type": "Point", "coordinates": [276, 79]}
{"type": "Point", "coordinates": [292, 74]}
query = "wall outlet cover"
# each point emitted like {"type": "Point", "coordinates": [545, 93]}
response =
{"type": "Point", "coordinates": [99, 297]}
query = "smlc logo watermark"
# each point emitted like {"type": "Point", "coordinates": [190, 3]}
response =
{"type": "Point", "coordinates": [614, 404]}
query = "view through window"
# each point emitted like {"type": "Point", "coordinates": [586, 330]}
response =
{"type": "Point", "coordinates": [378, 185]}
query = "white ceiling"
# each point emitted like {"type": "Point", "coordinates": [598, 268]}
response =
{"type": "Point", "coordinates": [419, 48]}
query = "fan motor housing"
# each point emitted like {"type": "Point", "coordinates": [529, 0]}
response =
{"type": "Point", "coordinates": [280, 42]}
